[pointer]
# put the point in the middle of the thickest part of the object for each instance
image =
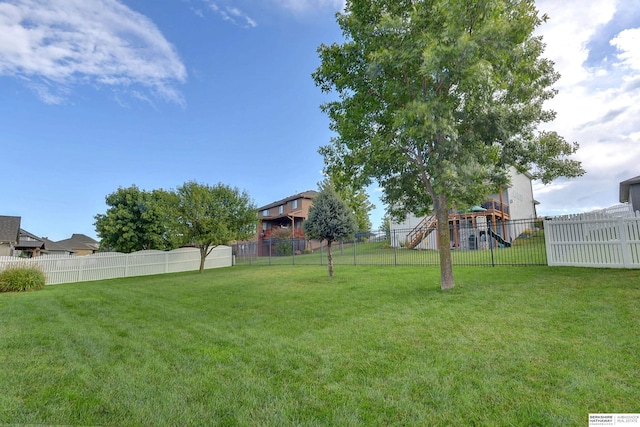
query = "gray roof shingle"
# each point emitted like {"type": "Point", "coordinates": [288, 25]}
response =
{"type": "Point", "coordinates": [79, 241]}
{"type": "Point", "coordinates": [9, 229]}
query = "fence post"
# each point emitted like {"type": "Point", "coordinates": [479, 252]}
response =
{"type": "Point", "coordinates": [624, 242]}
{"type": "Point", "coordinates": [126, 266]}
{"type": "Point", "coordinates": [81, 270]}
{"type": "Point", "coordinates": [355, 243]}
{"type": "Point", "coordinates": [293, 251]}
{"type": "Point", "coordinates": [548, 237]}
{"type": "Point", "coordinates": [394, 243]}
{"type": "Point", "coordinates": [490, 237]}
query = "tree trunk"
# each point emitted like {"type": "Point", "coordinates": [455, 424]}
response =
{"type": "Point", "coordinates": [329, 258]}
{"type": "Point", "coordinates": [203, 257]}
{"type": "Point", "coordinates": [446, 263]}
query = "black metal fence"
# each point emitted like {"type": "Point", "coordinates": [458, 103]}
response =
{"type": "Point", "coordinates": [474, 243]}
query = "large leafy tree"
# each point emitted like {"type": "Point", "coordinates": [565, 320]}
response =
{"type": "Point", "coordinates": [135, 220]}
{"type": "Point", "coordinates": [437, 98]}
{"type": "Point", "coordinates": [208, 216]}
{"type": "Point", "coordinates": [330, 219]}
{"type": "Point", "coordinates": [356, 198]}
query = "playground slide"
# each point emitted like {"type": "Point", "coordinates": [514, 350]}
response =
{"type": "Point", "coordinates": [499, 239]}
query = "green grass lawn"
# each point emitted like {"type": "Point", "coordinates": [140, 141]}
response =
{"type": "Point", "coordinates": [278, 346]}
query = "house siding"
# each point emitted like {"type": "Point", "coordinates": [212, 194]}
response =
{"type": "Point", "coordinates": [6, 249]}
{"type": "Point", "coordinates": [634, 197]}
{"type": "Point", "coordinates": [289, 213]}
{"type": "Point", "coordinates": [520, 197]}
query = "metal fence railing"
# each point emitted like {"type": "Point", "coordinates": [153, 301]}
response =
{"type": "Point", "coordinates": [513, 243]}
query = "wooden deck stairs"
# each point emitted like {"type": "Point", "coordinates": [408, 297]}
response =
{"type": "Point", "coordinates": [421, 231]}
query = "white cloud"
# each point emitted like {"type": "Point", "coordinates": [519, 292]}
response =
{"type": "Point", "coordinates": [234, 11]}
{"type": "Point", "coordinates": [230, 14]}
{"type": "Point", "coordinates": [60, 43]}
{"type": "Point", "coordinates": [309, 6]}
{"type": "Point", "coordinates": [237, 13]}
{"type": "Point", "coordinates": [628, 44]}
{"type": "Point", "coordinates": [597, 52]}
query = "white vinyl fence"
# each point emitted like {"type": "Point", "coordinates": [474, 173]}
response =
{"type": "Point", "coordinates": [110, 265]}
{"type": "Point", "coordinates": [580, 241]}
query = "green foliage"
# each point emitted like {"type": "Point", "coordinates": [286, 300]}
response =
{"type": "Point", "coordinates": [329, 218]}
{"type": "Point", "coordinates": [386, 227]}
{"type": "Point", "coordinates": [207, 216]}
{"type": "Point", "coordinates": [437, 100]}
{"type": "Point", "coordinates": [135, 220]}
{"type": "Point", "coordinates": [282, 244]}
{"type": "Point", "coordinates": [21, 278]}
{"type": "Point", "coordinates": [195, 214]}
{"type": "Point", "coordinates": [356, 198]}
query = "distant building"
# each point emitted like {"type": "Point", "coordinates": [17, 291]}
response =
{"type": "Point", "coordinates": [630, 193]}
{"type": "Point", "coordinates": [9, 234]}
{"type": "Point", "coordinates": [80, 244]}
{"type": "Point", "coordinates": [287, 214]}
{"type": "Point", "coordinates": [471, 229]}
{"type": "Point", "coordinates": [31, 246]}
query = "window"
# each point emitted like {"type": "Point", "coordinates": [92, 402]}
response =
{"type": "Point", "coordinates": [294, 204]}
{"type": "Point", "coordinates": [265, 212]}
{"type": "Point", "coordinates": [280, 209]}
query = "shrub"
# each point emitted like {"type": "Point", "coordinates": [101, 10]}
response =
{"type": "Point", "coordinates": [283, 247]}
{"type": "Point", "coordinates": [21, 278]}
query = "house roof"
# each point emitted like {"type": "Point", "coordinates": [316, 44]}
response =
{"type": "Point", "coordinates": [51, 246]}
{"type": "Point", "coordinates": [31, 241]}
{"type": "Point", "coordinates": [79, 242]}
{"type": "Point", "coordinates": [30, 244]}
{"type": "Point", "coordinates": [624, 188]}
{"type": "Point", "coordinates": [310, 194]}
{"type": "Point", "coordinates": [25, 233]}
{"type": "Point", "coordinates": [9, 228]}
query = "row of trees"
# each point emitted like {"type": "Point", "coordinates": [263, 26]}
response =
{"type": "Point", "coordinates": [206, 216]}
{"type": "Point", "coordinates": [194, 214]}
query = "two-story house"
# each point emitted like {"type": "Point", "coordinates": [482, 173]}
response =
{"type": "Point", "coordinates": [287, 213]}
{"type": "Point", "coordinates": [284, 218]}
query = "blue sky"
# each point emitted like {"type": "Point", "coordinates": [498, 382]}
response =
{"type": "Point", "coordinates": [103, 94]}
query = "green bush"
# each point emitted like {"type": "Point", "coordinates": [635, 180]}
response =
{"type": "Point", "coordinates": [21, 278]}
{"type": "Point", "coordinates": [283, 247]}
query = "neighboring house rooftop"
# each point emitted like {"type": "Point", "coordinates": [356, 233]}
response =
{"type": "Point", "coordinates": [53, 247]}
{"type": "Point", "coordinates": [29, 241]}
{"type": "Point", "coordinates": [625, 186]}
{"type": "Point", "coordinates": [310, 194]}
{"type": "Point", "coordinates": [9, 229]}
{"type": "Point", "coordinates": [30, 245]}
{"type": "Point", "coordinates": [25, 235]}
{"type": "Point", "coordinates": [79, 242]}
